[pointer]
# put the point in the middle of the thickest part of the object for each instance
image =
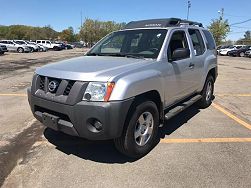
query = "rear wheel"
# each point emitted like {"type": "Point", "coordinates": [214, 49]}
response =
{"type": "Point", "coordinates": [242, 54]}
{"type": "Point", "coordinates": [140, 132]}
{"type": "Point", "coordinates": [20, 50]}
{"type": "Point", "coordinates": [207, 93]}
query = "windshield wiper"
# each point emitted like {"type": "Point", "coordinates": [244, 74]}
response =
{"type": "Point", "coordinates": [115, 55]}
{"type": "Point", "coordinates": [92, 54]}
{"type": "Point", "coordinates": [134, 56]}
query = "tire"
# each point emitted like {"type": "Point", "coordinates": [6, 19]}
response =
{"type": "Point", "coordinates": [139, 135]}
{"type": "Point", "coordinates": [207, 93]}
{"type": "Point", "coordinates": [20, 50]}
{"type": "Point", "coordinates": [242, 54]}
{"type": "Point", "coordinates": [227, 53]}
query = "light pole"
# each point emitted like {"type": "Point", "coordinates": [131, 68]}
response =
{"type": "Point", "coordinates": [221, 13]}
{"type": "Point", "coordinates": [188, 8]}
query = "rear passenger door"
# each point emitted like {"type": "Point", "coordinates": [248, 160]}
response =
{"type": "Point", "coordinates": [198, 56]}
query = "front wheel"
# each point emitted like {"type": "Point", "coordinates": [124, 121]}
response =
{"type": "Point", "coordinates": [207, 93]}
{"type": "Point", "coordinates": [140, 132]}
{"type": "Point", "coordinates": [242, 54]}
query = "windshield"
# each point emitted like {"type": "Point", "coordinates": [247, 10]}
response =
{"type": "Point", "coordinates": [144, 43]}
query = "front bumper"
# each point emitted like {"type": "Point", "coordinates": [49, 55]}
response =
{"type": "Point", "coordinates": [78, 119]}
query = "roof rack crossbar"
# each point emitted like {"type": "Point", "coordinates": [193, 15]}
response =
{"type": "Point", "coordinates": [167, 22]}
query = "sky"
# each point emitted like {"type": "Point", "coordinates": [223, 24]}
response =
{"type": "Point", "coordinates": [61, 14]}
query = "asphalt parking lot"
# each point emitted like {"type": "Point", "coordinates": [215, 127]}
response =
{"type": "Point", "coordinates": [197, 148]}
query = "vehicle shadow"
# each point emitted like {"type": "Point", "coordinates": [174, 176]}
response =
{"type": "Point", "coordinates": [177, 121]}
{"type": "Point", "coordinates": [98, 151]}
{"type": "Point", "coordinates": [105, 151]}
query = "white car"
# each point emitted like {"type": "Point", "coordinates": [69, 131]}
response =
{"type": "Point", "coordinates": [225, 51]}
{"type": "Point", "coordinates": [49, 44]}
{"type": "Point", "coordinates": [33, 47]}
{"type": "Point", "coordinates": [41, 48]}
{"type": "Point", "coordinates": [14, 47]}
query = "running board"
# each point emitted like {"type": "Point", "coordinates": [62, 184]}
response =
{"type": "Point", "coordinates": [181, 106]}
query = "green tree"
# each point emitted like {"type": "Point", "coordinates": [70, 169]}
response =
{"type": "Point", "coordinates": [246, 40]}
{"type": "Point", "coordinates": [219, 28]}
{"type": "Point", "coordinates": [247, 35]}
{"type": "Point", "coordinates": [68, 35]}
{"type": "Point", "coordinates": [93, 30]}
{"type": "Point", "coordinates": [27, 32]}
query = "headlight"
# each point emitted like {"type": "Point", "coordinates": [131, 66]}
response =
{"type": "Point", "coordinates": [98, 91]}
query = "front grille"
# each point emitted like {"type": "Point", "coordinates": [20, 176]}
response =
{"type": "Point", "coordinates": [68, 87]}
{"type": "Point", "coordinates": [42, 83]}
{"type": "Point", "coordinates": [65, 89]}
{"type": "Point", "coordinates": [58, 90]}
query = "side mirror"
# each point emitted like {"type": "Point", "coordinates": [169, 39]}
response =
{"type": "Point", "coordinates": [180, 53]}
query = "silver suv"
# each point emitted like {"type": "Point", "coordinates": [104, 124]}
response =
{"type": "Point", "coordinates": [128, 84]}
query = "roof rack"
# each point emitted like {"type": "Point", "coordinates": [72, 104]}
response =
{"type": "Point", "coordinates": [166, 22]}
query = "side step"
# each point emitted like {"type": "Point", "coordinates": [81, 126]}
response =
{"type": "Point", "coordinates": [181, 106]}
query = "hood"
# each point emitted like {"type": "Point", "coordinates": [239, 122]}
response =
{"type": "Point", "coordinates": [92, 68]}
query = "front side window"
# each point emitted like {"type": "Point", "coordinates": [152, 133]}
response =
{"type": "Point", "coordinates": [198, 44]}
{"type": "Point", "coordinates": [177, 41]}
{"type": "Point", "coordinates": [141, 43]}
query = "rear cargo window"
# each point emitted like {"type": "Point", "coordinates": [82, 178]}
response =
{"type": "Point", "coordinates": [210, 40]}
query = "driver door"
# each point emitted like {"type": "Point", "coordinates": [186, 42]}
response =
{"type": "Point", "coordinates": [181, 69]}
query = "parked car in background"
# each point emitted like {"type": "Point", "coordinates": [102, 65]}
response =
{"type": "Point", "coordinates": [50, 45]}
{"type": "Point", "coordinates": [222, 47]}
{"type": "Point", "coordinates": [78, 44]}
{"type": "Point", "coordinates": [14, 47]}
{"type": "Point", "coordinates": [225, 51]}
{"type": "Point", "coordinates": [41, 48]}
{"type": "Point", "coordinates": [239, 52]}
{"type": "Point", "coordinates": [33, 47]}
{"type": "Point", "coordinates": [3, 49]}
{"type": "Point", "coordinates": [64, 45]}
{"type": "Point", "coordinates": [248, 53]}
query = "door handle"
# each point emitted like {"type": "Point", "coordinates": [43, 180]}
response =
{"type": "Point", "coordinates": [191, 65]}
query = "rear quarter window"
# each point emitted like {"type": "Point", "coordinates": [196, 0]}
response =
{"type": "Point", "coordinates": [210, 40]}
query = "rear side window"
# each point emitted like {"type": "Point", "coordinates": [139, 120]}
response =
{"type": "Point", "coordinates": [210, 40]}
{"type": "Point", "coordinates": [198, 44]}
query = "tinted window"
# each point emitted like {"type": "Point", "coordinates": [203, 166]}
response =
{"type": "Point", "coordinates": [43, 42]}
{"type": "Point", "coordinates": [198, 44]}
{"type": "Point", "coordinates": [210, 40]}
{"type": "Point", "coordinates": [4, 42]}
{"type": "Point", "coordinates": [178, 40]}
{"type": "Point", "coordinates": [38, 41]}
